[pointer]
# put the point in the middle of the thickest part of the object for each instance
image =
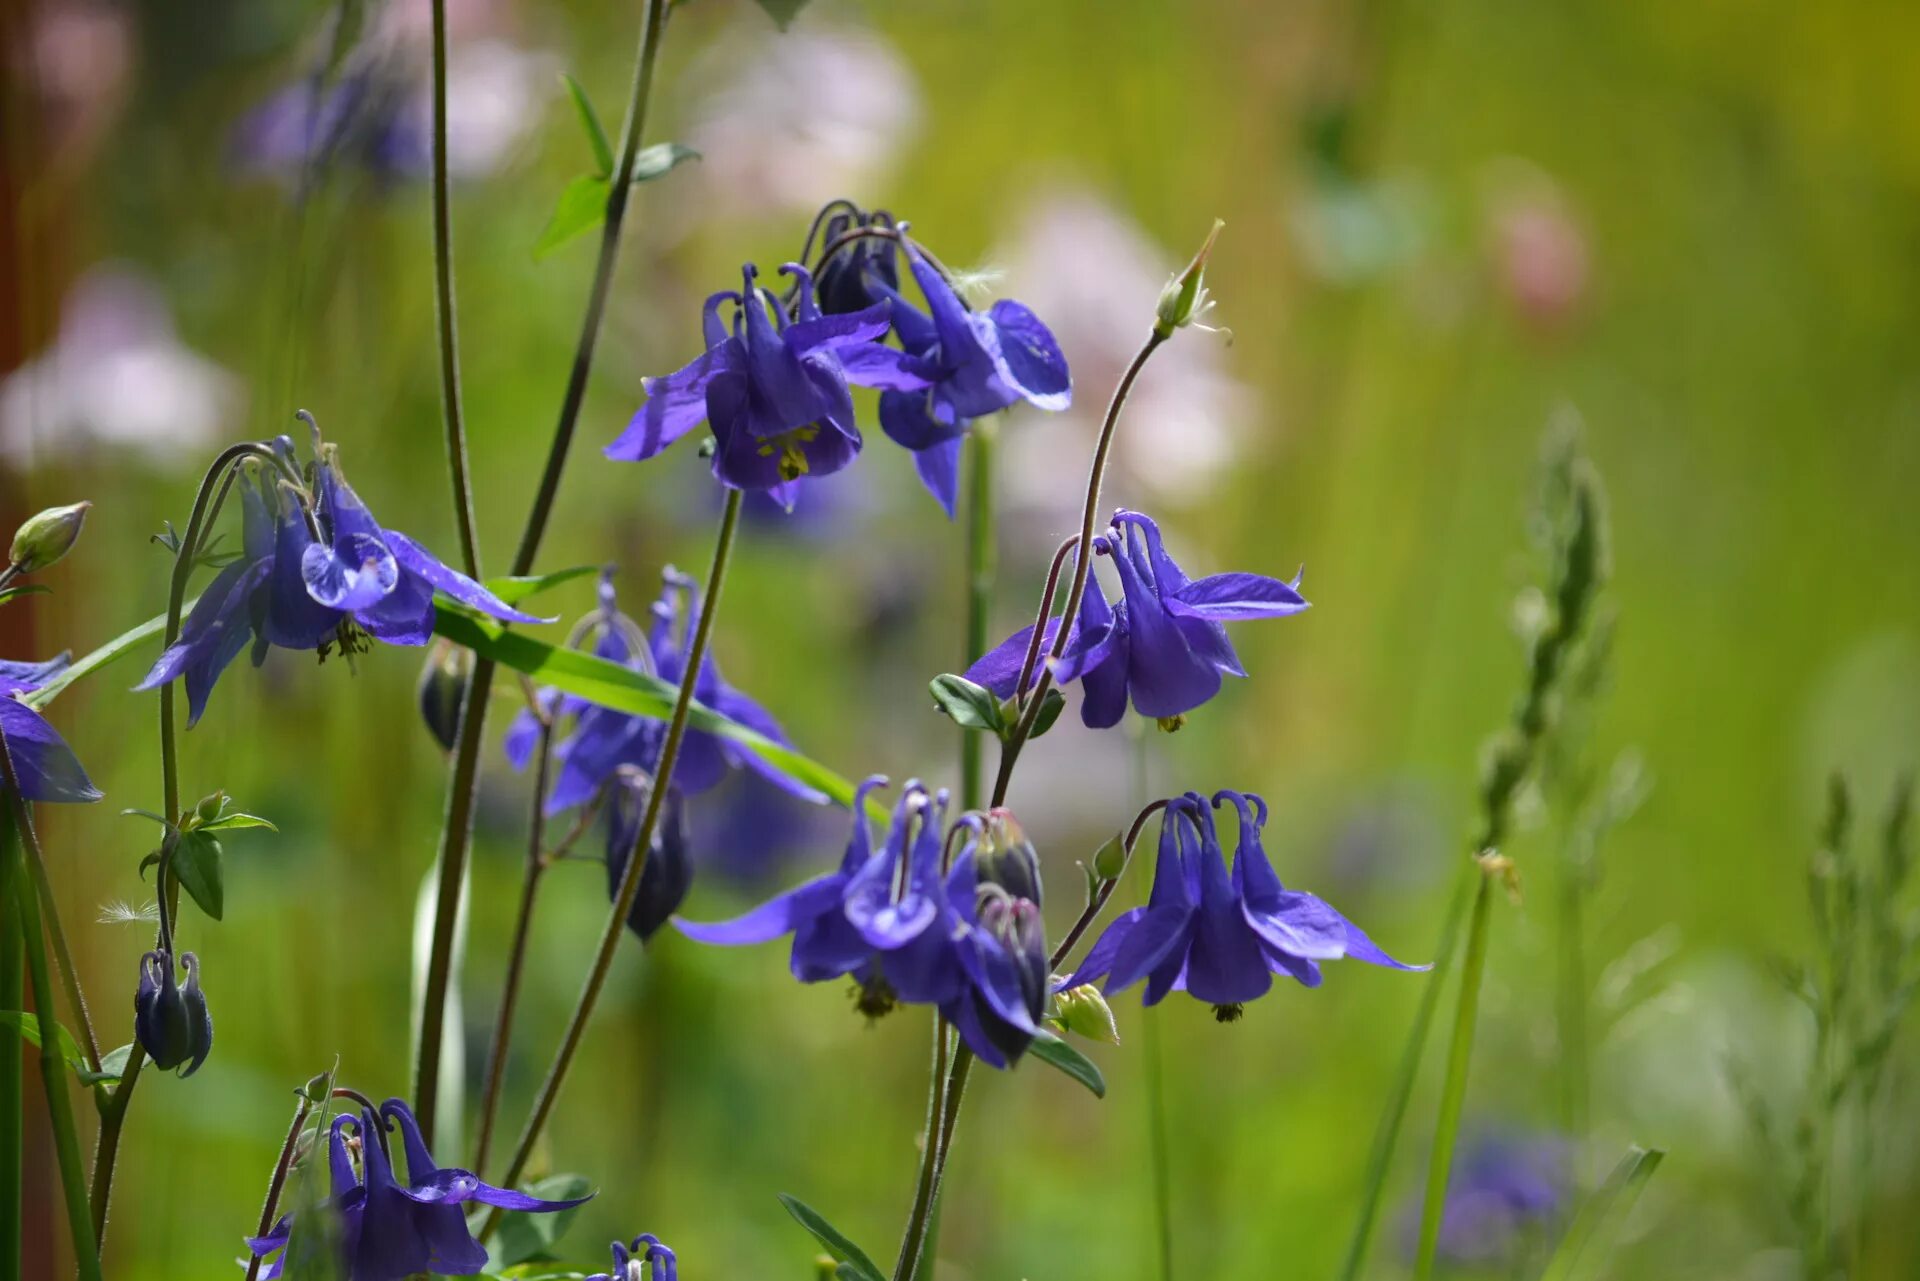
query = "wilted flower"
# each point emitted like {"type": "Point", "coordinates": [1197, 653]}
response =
{"type": "Point", "coordinates": [774, 390]}
{"type": "Point", "coordinates": [1221, 938]}
{"type": "Point", "coordinates": [170, 1019]}
{"type": "Point", "coordinates": [46, 767]}
{"type": "Point", "coordinates": [389, 1229]}
{"type": "Point", "coordinates": [1164, 644]}
{"type": "Point", "coordinates": [645, 1260]}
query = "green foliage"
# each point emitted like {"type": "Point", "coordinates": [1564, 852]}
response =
{"type": "Point", "coordinates": [1056, 1053]}
{"type": "Point", "coordinates": [590, 123]}
{"type": "Point", "coordinates": [971, 706]}
{"type": "Point", "coordinates": [833, 1240]}
{"type": "Point", "coordinates": [1600, 1216]}
{"type": "Point", "coordinates": [524, 1237]}
{"type": "Point", "coordinates": [26, 1025]}
{"type": "Point", "coordinates": [196, 864]}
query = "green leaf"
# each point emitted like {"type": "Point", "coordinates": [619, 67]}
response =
{"type": "Point", "coordinates": [196, 864]}
{"type": "Point", "coordinates": [525, 1236]}
{"type": "Point", "coordinates": [590, 121]}
{"type": "Point", "coordinates": [662, 157]}
{"type": "Point", "coordinates": [116, 648]}
{"type": "Point", "coordinates": [27, 1026]}
{"type": "Point", "coordinates": [1050, 708]}
{"type": "Point", "coordinates": [24, 589]}
{"type": "Point", "coordinates": [515, 590]}
{"type": "Point", "coordinates": [1054, 1052]}
{"type": "Point", "coordinates": [581, 207]}
{"type": "Point", "coordinates": [610, 684]}
{"type": "Point", "coordinates": [161, 819]}
{"type": "Point", "coordinates": [113, 1065]}
{"type": "Point", "coordinates": [832, 1239]}
{"type": "Point", "coordinates": [1603, 1211]}
{"type": "Point", "coordinates": [783, 12]}
{"type": "Point", "coordinates": [971, 706]}
{"type": "Point", "coordinates": [226, 821]}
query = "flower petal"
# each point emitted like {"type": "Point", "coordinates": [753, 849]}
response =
{"type": "Point", "coordinates": [46, 767]}
{"type": "Point", "coordinates": [355, 573]}
{"type": "Point", "coordinates": [778, 915]}
{"type": "Point", "coordinates": [1226, 597]}
{"type": "Point", "coordinates": [417, 559]}
{"type": "Point", "coordinates": [675, 404]}
{"type": "Point", "coordinates": [871, 365]}
{"type": "Point", "coordinates": [1030, 359]}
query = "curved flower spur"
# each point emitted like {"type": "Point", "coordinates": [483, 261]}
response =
{"type": "Point", "coordinates": [1218, 937]}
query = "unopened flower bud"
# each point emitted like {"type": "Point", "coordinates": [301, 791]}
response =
{"type": "Point", "coordinates": [1083, 1011]}
{"type": "Point", "coordinates": [1005, 857]}
{"type": "Point", "coordinates": [443, 685]}
{"type": "Point", "coordinates": [210, 806]}
{"type": "Point", "coordinates": [318, 1088]}
{"type": "Point", "coordinates": [170, 1019]}
{"type": "Point", "coordinates": [46, 537]}
{"type": "Point", "coordinates": [1110, 860]}
{"type": "Point", "coordinates": [1184, 300]}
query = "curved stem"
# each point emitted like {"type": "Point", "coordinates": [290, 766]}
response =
{"type": "Point", "coordinates": [443, 306]}
{"type": "Point", "coordinates": [1034, 641]}
{"type": "Point", "coordinates": [457, 827]}
{"type": "Point", "coordinates": [517, 954]}
{"type": "Point", "coordinates": [1094, 906]}
{"type": "Point", "coordinates": [113, 1112]}
{"type": "Point", "coordinates": [1082, 565]}
{"type": "Point", "coordinates": [279, 1180]}
{"type": "Point", "coordinates": [1454, 1090]}
{"type": "Point", "coordinates": [629, 887]}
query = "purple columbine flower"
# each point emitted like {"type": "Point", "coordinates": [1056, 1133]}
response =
{"type": "Point", "coordinates": [774, 390]}
{"type": "Point", "coordinates": [974, 363]}
{"type": "Point", "coordinates": [290, 590]}
{"type": "Point", "coordinates": [389, 1229]}
{"type": "Point", "coordinates": [1503, 1188]}
{"type": "Point", "coordinates": [170, 1019]}
{"type": "Point", "coordinates": [668, 875]}
{"type": "Point", "coordinates": [46, 767]}
{"type": "Point", "coordinates": [647, 1259]}
{"type": "Point", "coordinates": [1221, 938]}
{"type": "Point", "coordinates": [1164, 644]}
{"type": "Point", "coordinates": [1000, 937]}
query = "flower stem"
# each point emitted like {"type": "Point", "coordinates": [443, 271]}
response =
{"type": "Point", "coordinates": [279, 1179]}
{"type": "Point", "coordinates": [1082, 565]}
{"type": "Point", "coordinates": [1454, 1090]}
{"type": "Point", "coordinates": [53, 1071]}
{"type": "Point", "coordinates": [919, 1220]}
{"type": "Point", "coordinates": [980, 572]}
{"type": "Point", "coordinates": [12, 1071]}
{"type": "Point", "coordinates": [444, 307]}
{"type": "Point", "coordinates": [517, 954]}
{"type": "Point", "coordinates": [1157, 1148]}
{"type": "Point", "coordinates": [63, 956]}
{"type": "Point", "coordinates": [629, 887]}
{"type": "Point", "coordinates": [456, 829]}
{"type": "Point", "coordinates": [113, 1112]}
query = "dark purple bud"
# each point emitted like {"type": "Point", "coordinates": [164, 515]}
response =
{"type": "Point", "coordinates": [442, 688]}
{"type": "Point", "coordinates": [668, 873]}
{"type": "Point", "coordinates": [171, 1021]}
{"type": "Point", "coordinates": [1006, 858]}
{"type": "Point", "coordinates": [861, 272]}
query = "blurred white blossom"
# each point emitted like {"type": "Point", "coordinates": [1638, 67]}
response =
{"type": "Point", "coordinates": [116, 378]}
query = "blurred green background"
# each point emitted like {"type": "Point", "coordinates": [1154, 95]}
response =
{"type": "Point", "coordinates": [1691, 226]}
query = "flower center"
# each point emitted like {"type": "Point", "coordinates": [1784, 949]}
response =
{"type": "Point", "coordinates": [874, 997]}
{"type": "Point", "coordinates": [349, 640]}
{"type": "Point", "coordinates": [789, 445]}
{"type": "Point", "coordinates": [1171, 724]}
{"type": "Point", "coordinates": [1228, 1013]}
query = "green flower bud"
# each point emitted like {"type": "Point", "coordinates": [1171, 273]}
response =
{"type": "Point", "coordinates": [210, 806]}
{"type": "Point", "coordinates": [46, 537]}
{"type": "Point", "coordinates": [1184, 301]}
{"type": "Point", "coordinates": [1111, 858]}
{"type": "Point", "coordinates": [1083, 1011]}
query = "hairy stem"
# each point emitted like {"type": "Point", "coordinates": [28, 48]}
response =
{"type": "Point", "coordinates": [629, 887]}
{"type": "Point", "coordinates": [1453, 1091]}
{"type": "Point", "coordinates": [279, 1180]}
{"type": "Point", "coordinates": [517, 953]}
{"type": "Point", "coordinates": [456, 830]}
{"type": "Point", "coordinates": [920, 1218]}
{"type": "Point", "coordinates": [444, 307]}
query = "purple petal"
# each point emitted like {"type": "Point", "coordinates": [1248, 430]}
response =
{"type": "Point", "coordinates": [939, 468]}
{"type": "Point", "coordinates": [999, 668]}
{"type": "Point", "coordinates": [47, 768]}
{"type": "Point", "coordinates": [1362, 948]}
{"type": "Point", "coordinates": [777, 916]}
{"type": "Point", "coordinates": [907, 418]}
{"type": "Point", "coordinates": [1226, 597]}
{"type": "Point", "coordinates": [353, 575]}
{"type": "Point", "coordinates": [1301, 925]}
{"type": "Point", "coordinates": [675, 405]}
{"type": "Point", "coordinates": [889, 369]}
{"type": "Point", "coordinates": [452, 582]}
{"type": "Point", "coordinates": [19, 676]}
{"type": "Point", "coordinates": [842, 331]}
{"type": "Point", "coordinates": [1159, 934]}
{"type": "Point", "coordinates": [1098, 962]}
{"type": "Point", "coordinates": [1030, 359]}
{"type": "Point", "coordinates": [405, 617]}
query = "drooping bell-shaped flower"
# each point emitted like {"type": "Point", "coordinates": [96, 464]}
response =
{"type": "Point", "coordinates": [974, 363]}
{"type": "Point", "coordinates": [1218, 937]}
{"type": "Point", "coordinates": [170, 1018]}
{"type": "Point", "coordinates": [1000, 936]}
{"type": "Point", "coordinates": [773, 390]}
{"type": "Point", "coordinates": [668, 875]}
{"type": "Point", "coordinates": [46, 767]}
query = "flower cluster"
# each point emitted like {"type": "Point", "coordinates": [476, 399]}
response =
{"type": "Point", "coordinates": [387, 1229]}
{"type": "Point", "coordinates": [1221, 938]}
{"type": "Point", "coordinates": [312, 577]}
{"type": "Point", "coordinates": [966, 938]}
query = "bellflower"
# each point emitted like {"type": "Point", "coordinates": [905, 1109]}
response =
{"type": "Point", "coordinates": [46, 767]}
{"type": "Point", "coordinates": [1163, 645]}
{"type": "Point", "coordinates": [773, 391]}
{"type": "Point", "coordinates": [291, 590]}
{"type": "Point", "coordinates": [1221, 938]}
{"type": "Point", "coordinates": [390, 1229]}
{"type": "Point", "coordinates": [974, 364]}
{"type": "Point", "coordinates": [170, 1019]}
{"type": "Point", "coordinates": [668, 873]}
{"type": "Point", "coordinates": [647, 1259]}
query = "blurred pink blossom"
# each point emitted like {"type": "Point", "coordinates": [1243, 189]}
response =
{"type": "Point", "coordinates": [1541, 258]}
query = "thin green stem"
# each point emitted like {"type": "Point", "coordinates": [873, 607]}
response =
{"type": "Point", "coordinates": [517, 953]}
{"type": "Point", "coordinates": [113, 1112]}
{"type": "Point", "coordinates": [53, 1070]}
{"type": "Point", "coordinates": [1157, 1146]}
{"type": "Point", "coordinates": [980, 575]}
{"type": "Point", "coordinates": [12, 1072]}
{"type": "Point", "coordinates": [279, 1180]}
{"type": "Point", "coordinates": [919, 1220]}
{"type": "Point", "coordinates": [1082, 565]}
{"type": "Point", "coordinates": [1574, 1090]}
{"type": "Point", "coordinates": [444, 307]}
{"type": "Point", "coordinates": [1386, 1136]}
{"type": "Point", "coordinates": [629, 887]}
{"type": "Point", "coordinates": [1453, 1091]}
{"type": "Point", "coordinates": [63, 955]}
{"type": "Point", "coordinates": [456, 828]}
